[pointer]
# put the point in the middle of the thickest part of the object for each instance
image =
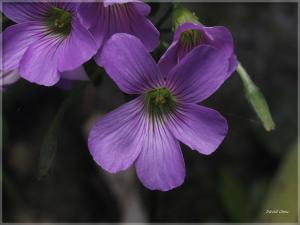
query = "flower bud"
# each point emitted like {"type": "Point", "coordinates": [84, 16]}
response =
{"type": "Point", "coordinates": [182, 15]}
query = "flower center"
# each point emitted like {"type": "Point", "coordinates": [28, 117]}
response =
{"type": "Point", "coordinates": [59, 21]}
{"type": "Point", "coordinates": [160, 102]}
{"type": "Point", "coordinates": [191, 37]}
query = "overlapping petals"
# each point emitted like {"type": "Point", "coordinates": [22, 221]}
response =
{"type": "Point", "coordinates": [218, 37]}
{"type": "Point", "coordinates": [110, 17]}
{"type": "Point", "coordinates": [192, 81]}
{"type": "Point", "coordinates": [51, 41]}
{"type": "Point", "coordinates": [40, 54]}
{"type": "Point", "coordinates": [133, 69]}
{"type": "Point", "coordinates": [77, 48]}
{"type": "Point", "coordinates": [119, 140]}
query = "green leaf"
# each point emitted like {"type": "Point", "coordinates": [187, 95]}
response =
{"type": "Point", "coordinates": [50, 142]}
{"type": "Point", "coordinates": [49, 148]}
{"type": "Point", "coordinates": [256, 99]}
{"type": "Point", "coordinates": [234, 197]}
{"type": "Point", "coordinates": [257, 194]}
{"type": "Point", "coordinates": [282, 196]}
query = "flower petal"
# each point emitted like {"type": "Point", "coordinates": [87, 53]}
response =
{"type": "Point", "coordinates": [111, 17]}
{"type": "Point", "coordinates": [186, 26]}
{"type": "Point", "coordinates": [142, 28]}
{"type": "Point", "coordinates": [7, 78]}
{"type": "Point", "coordinates": [77, 48]}
{"type": "Point", "coordinates": [200, 128]}
{"type": "Point", "coordinates": [221, 38]}
{"type": "Point", "coordinates": [127, 62]}
{"type": "Point", "coordinates": [95, 18]}
{"type": "Point", "coordinates": [67, 6]}
{"type": "Point", "coordinates": [218, 36]}
{"type": "Point", "coordinates": [112, 2]}
{"type": "Point", "coordinates": [143, 8]}
{"type": "Point", "coordinates": [160, 165]}
{"type": "Point", "coordinates": [16, 40]}
{"type": "Point", "coordinates": [39, 63]}
{"type": "Point", "coordinates": [233, 63]}
{"type": "Point", "coordinates": [199, 74]}
{"type": "Point", "coordinates": [103, 22]}
{"type": "Point", "coordinates": [169, 59]}
{"type": "Point", "coordinates": [116, 139]}
{"type": "Point", "coordinates": [25, 12]}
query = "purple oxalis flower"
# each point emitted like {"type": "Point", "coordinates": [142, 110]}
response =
{"type": "Point", "coordinates": [190, 35]}
{"type": "Point", "coordinates": [118, 16]}
{"type": "Point", "coordinates": [47, 40]}
{"type": "Point", "coordinates": [146, 131]}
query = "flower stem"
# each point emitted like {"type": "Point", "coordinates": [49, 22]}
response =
{"type": "Point", "coordinates": [164, 17]}
{"type": "Point", "coordinates": [50, 142]}
{"type": "Point", "coordinates": [256, 99]}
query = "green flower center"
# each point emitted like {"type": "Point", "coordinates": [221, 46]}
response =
{"type": "Point", "coordinates": [191, 37]}
{"type": "Point", "coordinates": [160, 102]}
{"type": "Point", "coordinates": [59, 21]}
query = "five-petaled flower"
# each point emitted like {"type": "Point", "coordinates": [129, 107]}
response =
{"type": "Point", "coordinates": [190, 35]}
{"type": "Point", "coordinates": [52, 40]}
{"type": "Point", "coordinates": [47, 41]}
{"type": "Point", "coordinates": [118, 16]}
{"type": "Point", "coordinates": [146, 131]}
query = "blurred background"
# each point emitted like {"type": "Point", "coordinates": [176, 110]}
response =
{"type": "Point", "coordinates": [253, 170]}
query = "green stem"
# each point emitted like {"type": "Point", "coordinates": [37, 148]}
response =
{"type": "Point", "coordinates": [166, 16]}
{"type": "Point", "coordinates": [256, 99]}
{"type": "Point", "coordinates": [50, 143]}
{"type": "Point", "coordinates": [244, 75]}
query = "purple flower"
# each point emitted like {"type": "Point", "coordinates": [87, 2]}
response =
{"type": "Point", "coordinates": [47, 40]}
{"type": "Point", "coordinates": [190, 35]}
{"type": "Point", "coordinates": [118, 16]}
{"type": "Point", "coordinates": [146, 131]}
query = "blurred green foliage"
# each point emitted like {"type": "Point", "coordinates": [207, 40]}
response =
{"type": "Point", "coordinates": [234, 197]}
{"type": "Point", "coordinates": [280, 204]}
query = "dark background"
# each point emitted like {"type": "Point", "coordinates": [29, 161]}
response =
{"type": "Point", "coordinates": [231, 185]}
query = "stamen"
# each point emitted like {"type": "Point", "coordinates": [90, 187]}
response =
{"type": "Point", "coordinates": [59, 21]}
{"type": "Point", "coordinates": [160, 102]}
{"type": "Point", "coordinates": [191, 38]}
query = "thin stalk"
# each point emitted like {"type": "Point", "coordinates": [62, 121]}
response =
{"type": "Point", "coordinates": [256, 99]}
